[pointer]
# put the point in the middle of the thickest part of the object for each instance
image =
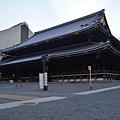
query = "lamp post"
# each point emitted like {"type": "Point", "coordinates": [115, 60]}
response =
{"type": "Point", "coordinates": [89, 68]}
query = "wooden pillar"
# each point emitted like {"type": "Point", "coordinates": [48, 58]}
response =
{"type": "Point", "coordinates": [95, 78]}
{"type": "Point", "coordinates": [16, 77]}
{"type": "Point", "coordinates": [98, 56]}
{"type": "Point", "coordinates": [31, 75]}
{"type": "Point", "coordinates": [81, 77]}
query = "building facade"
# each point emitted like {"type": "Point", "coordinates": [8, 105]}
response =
{"type": "Point", "coordinates": [14, 35]}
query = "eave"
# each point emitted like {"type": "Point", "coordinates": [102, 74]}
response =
{"type": "Point", "coordinates": [60, 53]}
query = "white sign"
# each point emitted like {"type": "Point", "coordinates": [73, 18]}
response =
{"type": "Point", "coordinates": [41, 81]}
{"type": "Point", "coordinates": [89, 67]}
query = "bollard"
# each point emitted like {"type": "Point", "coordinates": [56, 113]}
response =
{"type": "Point", "coordinates": [41, 81]}
{"type": "Point", "coordinates": [20, 85]}
{"type": "Point", "coordinates": [16, 85]}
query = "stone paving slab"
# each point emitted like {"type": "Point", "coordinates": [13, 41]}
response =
{"type": "Point", "coordinates": [27, 102]}
{"type": "Point", "coordinates": [97, 91]}
{"type": "Point", "coordinates": [17, 97]}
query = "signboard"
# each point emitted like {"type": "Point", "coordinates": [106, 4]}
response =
{"type": "Point", "coordinates": [41, 81]}
{"type": "Point", "coordinates": [89, 67]}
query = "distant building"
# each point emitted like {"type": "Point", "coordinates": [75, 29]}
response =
{"type": "Point", "coordinates": [14, 35]}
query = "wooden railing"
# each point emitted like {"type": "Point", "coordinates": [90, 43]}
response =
{"type": "Point", "coordinates": [84, 75]}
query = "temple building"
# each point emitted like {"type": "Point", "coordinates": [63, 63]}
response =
{"type": "Point", "coordinates": [65, 52]}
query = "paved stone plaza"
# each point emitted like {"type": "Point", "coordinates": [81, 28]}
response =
{"type": "Point", "coordinates": [66, 101]}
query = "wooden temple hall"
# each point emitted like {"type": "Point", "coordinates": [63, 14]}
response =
{"type": "Point", "coordinates": [65, 52]}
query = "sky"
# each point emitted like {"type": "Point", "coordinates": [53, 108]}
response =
{"type": "Point", "coordinates": [43, 14]}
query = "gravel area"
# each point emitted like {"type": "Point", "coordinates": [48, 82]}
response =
{"type": "Point", "coordinates": [98, 106]}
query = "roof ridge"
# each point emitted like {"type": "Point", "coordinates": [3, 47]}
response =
{"type": "Point", "coordinates": [72, 21]}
